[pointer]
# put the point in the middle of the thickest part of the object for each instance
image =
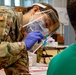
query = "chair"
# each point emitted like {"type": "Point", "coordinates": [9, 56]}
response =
{"type": "Point", "coordinates": [46, 55]}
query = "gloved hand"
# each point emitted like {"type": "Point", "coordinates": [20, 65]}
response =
{"type": "Point", "coordinates": [32, 38]}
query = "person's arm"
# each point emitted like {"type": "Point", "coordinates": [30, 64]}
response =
{"type": "Point", "coordinates": [10, 53]}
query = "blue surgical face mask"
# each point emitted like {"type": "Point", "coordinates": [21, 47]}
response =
{"type": "Point", "coordinates": [37, 25]}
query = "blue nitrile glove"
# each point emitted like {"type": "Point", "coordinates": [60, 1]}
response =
{"type": "Point", "coordinates": [32, 38]}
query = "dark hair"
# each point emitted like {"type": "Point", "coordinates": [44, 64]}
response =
{"type": "Point", "coordinates": [27, 10]}
{"type": "Point", "coordinates": [48, 6]}
{"type": "Point", "coordinates": [71, 10]}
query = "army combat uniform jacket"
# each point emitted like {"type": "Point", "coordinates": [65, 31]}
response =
{"type": "Point", "coordinates": [13, 54]}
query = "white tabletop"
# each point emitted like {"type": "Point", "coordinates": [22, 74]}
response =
{"type": "Point", "coordinates": [58, 46]}
{"type": "Point", "coordinates": [2, 72]}
{"type": "Point", "coordinates": [39, 69]}
{"type": "Point", "coordinates": [39, 73]}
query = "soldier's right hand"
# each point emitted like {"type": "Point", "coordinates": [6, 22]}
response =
{"type": "Point", "coordinates": [32, 38]}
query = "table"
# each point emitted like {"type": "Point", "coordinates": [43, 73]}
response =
{"type": "Point", "coordinates": [58, 47]}
{"type": "Point", "coordinates": [39, 73]}
{"type": "Point", "coordinates": [39, 69]}
{"type": "Point", "coordinates": [2, 72]}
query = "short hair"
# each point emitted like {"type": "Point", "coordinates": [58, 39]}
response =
{"type": "Point", "coordinates": [48, 6]}
{"type": "Point", "coordinates": [71, 10]}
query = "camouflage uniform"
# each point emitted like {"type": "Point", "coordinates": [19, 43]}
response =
{"type": "Point", "coordinates": [13, 54]}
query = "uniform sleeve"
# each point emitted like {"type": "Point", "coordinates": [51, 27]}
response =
{"type": "Point", "coordinates": [11, 49]}
{"type": "Point", "coordinates": [10, 53]}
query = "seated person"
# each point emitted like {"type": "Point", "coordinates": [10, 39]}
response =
{"type": "Point", "coordinates": [64, 63]}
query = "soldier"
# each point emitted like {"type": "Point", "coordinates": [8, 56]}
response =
{"type": "Point", "coordinates": [13, 48]}
{"type": "Point", "coordinates": [14, 45]}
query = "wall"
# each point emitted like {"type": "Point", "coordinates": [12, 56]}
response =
{"type": "Point", "coordinates": [69, 35]}
{"type": "Point", "coordinates": [59, 3]}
